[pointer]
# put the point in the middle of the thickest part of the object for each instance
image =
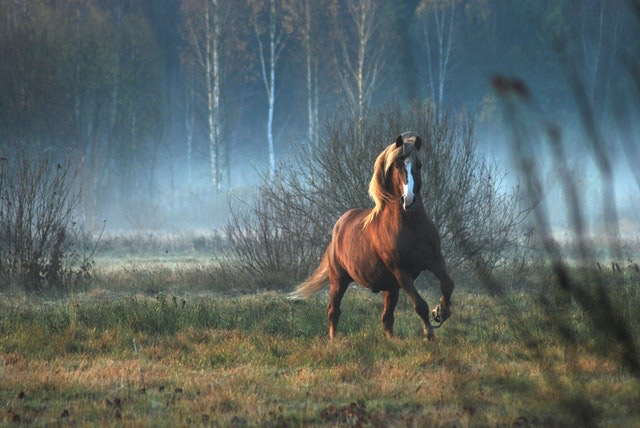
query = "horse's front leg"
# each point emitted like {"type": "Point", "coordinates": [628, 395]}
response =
{"type": "Point", "coordinates": [419, 304]}
{"type": "Point", "coordinates": [443, 310]}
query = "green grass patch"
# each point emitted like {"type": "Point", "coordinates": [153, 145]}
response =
{"type": "Point", "coordinates": [110, 357]}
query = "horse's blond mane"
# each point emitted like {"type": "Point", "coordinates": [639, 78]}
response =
{"type": "Point", "coordinates": [378, 187]}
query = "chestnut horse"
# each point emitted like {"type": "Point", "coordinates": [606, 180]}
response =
{"type": "Point", "coordinates": [385, 248]}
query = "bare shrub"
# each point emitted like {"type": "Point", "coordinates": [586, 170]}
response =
{"type": "Point", "coordinates": [288, 225]}
{"type": "Point", "coordinates": [38, 203]}
{"type": "Point", "coordinates": [268, 239]}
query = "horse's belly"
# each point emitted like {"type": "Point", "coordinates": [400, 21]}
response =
{"type": "Point", "coordinates": [376, 279]}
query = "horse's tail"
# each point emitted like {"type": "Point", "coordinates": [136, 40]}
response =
{"type": "Point", "coordinates": [315, 282]}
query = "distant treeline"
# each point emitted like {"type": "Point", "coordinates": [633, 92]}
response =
{"type": "Point", "coordinates": [181, 97]}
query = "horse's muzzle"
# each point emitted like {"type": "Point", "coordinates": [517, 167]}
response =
{"type": "Point", "coordinates": [408, 202]}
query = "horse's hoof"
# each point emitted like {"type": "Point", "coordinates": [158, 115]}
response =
{"type": "Point", "coordinates": [440, 314]}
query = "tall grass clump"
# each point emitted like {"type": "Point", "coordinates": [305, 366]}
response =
{"type": "Point", "coordinates": [39, 202]}
{"type": "Point", "coordinates": [285, 229]}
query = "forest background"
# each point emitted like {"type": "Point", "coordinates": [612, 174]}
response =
{"type": "Point", "coordinates": [167, 106]}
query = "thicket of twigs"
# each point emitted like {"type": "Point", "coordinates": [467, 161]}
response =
{"type": "Point", "coordinates": [38, 225]}
{"type": "Point", "coordinates": [287, 226]}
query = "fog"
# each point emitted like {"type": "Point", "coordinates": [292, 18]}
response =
{"type": "Point", "coordinates": [163, 143]}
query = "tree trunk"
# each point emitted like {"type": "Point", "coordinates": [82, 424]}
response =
{"type": "Point", "coordinates": [268, 68]}
{"type": "Point", "coordinates": [362, 56]}
{"type": "Point", "coordinates": [212, 76]}
{"type": "Point", "coordinates": [312, 82]}
{"type": "Point", "coordinates": [443, 18]}
{"type": "Point", "coordinates": [189, 119]}
{"type": "Point", "coordinates": [216, 94]}
{"type": "Point", "coordinates": [272, 86]}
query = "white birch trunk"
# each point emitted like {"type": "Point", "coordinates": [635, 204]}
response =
{"type": "Point", "coordinates": [362, 59]}
{"type": "Point", "coordinates": [592, 53]}
{"type": "Point", "coordinates": [429, 62]}
{"type": "Point", "coordinates": [312, 93]}
{"type": "Point", "coordinates": [362, 50]}
{"type": "Point", "coordinates": [189, 123]}
{"type": "Point", "coordinates": [204, 32]}
{"type": "Point", "coordinates": [316, 108]}
{"type": "Point", "coordinates": [272, 84]}
{"type": "Point", "coordinates": [443, 17]}
{"type": "Point", "coordinates": [268, 65]}
{"type": "Point", "coordinates": [217, 120]}
{"type": "Point", "coordinates": [209, 88]}
{"type": "Point", "coordinates": [212, 76]}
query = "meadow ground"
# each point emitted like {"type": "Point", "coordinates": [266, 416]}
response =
{"type": "Point", "coordinates": [165, 343]}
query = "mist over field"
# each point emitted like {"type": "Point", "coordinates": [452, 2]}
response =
{"type": "Point", "coordinates": [167, 115]}
{"type": "Point", "coordinates": [171, 172]}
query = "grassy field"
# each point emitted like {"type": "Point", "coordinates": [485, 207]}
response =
{"type": "Point", "coordinates": [166, 343]}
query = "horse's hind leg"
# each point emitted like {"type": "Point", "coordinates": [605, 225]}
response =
{"type": "Point", "coordinates": [339, 286]}
{"type": "Point", "coordinates": [390, 302]}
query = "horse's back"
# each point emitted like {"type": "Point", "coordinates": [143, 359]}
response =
{"type": "Point", "coordinates": [348, 231]}
{"type": "Point", "coordinates": [351, 218]}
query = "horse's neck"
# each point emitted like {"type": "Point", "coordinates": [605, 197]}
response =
{"type": "Point", "coordinates": [393, 213]}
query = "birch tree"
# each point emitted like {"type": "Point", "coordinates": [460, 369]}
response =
{"type": "Point", "coordinates": [93, 75]}
{"type": "Point", "coordinates": [269, 23]}
{"type": "Point", "coordinates": [312, 63]}
{"type": "Point", "coordinates": [438, 19]}
{"type": "Point", "coordinates": [360, 53]}
{"type": "Point", "coordinates": [600, 33]}
{"type": "Point", "coordinates": [203, 30]}
{"type": "Point", "coordinates": [15, 15]}
{"type": "Point", "coordinates": [309, 14]}
{"type": "Point", "coordinates": [189, 121]}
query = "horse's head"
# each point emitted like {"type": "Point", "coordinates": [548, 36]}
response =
{"type": "Point", "coordinates": [396, 175]}
{"type": "Point", "coordinates": [405, 175]}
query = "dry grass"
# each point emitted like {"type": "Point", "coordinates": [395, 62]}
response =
{"type": "Point", "coordinates": [107, 358]}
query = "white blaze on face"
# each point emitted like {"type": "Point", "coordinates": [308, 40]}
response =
{"type": "Point", "coordinates": [407, 189]}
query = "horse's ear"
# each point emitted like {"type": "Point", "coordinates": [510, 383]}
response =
{"type": "Point", "coordinates": [399, 141]}
{"type": "Point", "coordinates": [418, 143]}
